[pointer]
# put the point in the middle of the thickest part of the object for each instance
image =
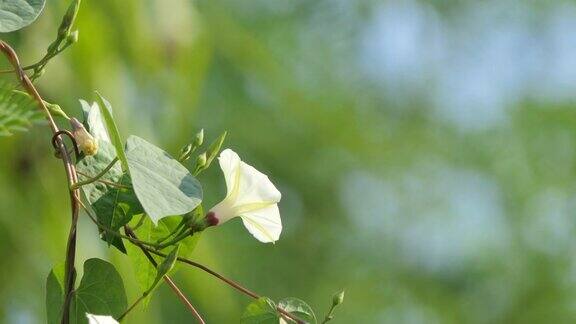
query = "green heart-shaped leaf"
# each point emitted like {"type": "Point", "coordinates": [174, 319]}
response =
{"type": "Point", "coordinates": [163, 185]}
{"type": "Point", "coordinates": [101, 291]}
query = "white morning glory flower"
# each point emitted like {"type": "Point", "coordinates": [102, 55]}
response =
{"type": "Point", "coordinates": [250, 196]}
{"type": "Point", "coordinates": [100, 319]}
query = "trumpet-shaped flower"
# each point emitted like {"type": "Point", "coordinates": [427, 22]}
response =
{"type": "Point", "coordinates": [100, 319]}
{"type": "Point", "coordinates": [250, 196]}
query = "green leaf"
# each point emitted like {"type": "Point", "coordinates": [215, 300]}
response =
{"type": "Point", "coordinates": [92, 165]}
{"type": "Point", "coordinates": [106, 111]}
{"type": "Point", "coordinates": [165, 267]}
{"type": "Point", "coordinates": [260, 311]}
{"type": "Point", "coordinates": [163, 185]}
{"type": "Point", "coordinates": [144, 271]}
{"type": "Point", "coordinates": [101, 291]}
{"type": "Point", "coordinates": [17, 14]}
{"type": "Point", "coordinates": [114, 207]}
{"type": "Point", "coordinates": [18, 111]}
{"type": "Point", "coordinates": [298, 308]}
{"type": "Point", "coordinates": [55, 295]}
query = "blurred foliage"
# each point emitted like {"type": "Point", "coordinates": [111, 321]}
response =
{"type": "Point", "coordinates": [425, 214]}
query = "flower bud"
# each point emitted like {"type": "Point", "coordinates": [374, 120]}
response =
{"type": "Point", "coordinates": [338, 298]}
{"type": "Point", "coordinates": [68, 19]}
{"type": "Point", "coordinates": [72, 38]}
{"type": "Point", "coordinates": [199, 139]}
{"type": "Point", "coordinates": [86, 142]}
{"type": "Point", "coordinates": [211, 219]}
{"type": "Point", "coordinates": [56, 110]}
{"type": "Point", "coordinates": [185, 153]}
{"type": "Point", "coordinates": [200, 161]}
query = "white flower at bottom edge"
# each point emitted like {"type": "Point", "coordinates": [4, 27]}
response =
{"type": "Point", "coordinates": [100, 319]}
{"type": "Point", "coordinates": [250, 196]}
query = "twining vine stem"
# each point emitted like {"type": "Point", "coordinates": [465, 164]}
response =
{"type": "Point", "coordinates": [167, 279]}
{"type": "Point", "coordinates": [230, 282]}
{"type": "Point", "coordinates": [70, 272]}
{"type": "Point", "coordinates": [132, 238]}
{"type": "Point", "coordinates": [72, 176]}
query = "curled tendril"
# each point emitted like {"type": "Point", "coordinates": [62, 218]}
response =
{"type": "Point", "coordinates": [67, 133]}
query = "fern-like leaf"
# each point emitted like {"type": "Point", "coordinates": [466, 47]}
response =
{"type": "Point", "coordinates": [18, 112]}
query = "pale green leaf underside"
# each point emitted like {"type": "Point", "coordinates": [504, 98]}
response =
{"type": "Point", "coordinates": [16, 14]}
{"type": "Point", "coordinates": [114, 207]}
{"type": "Point", "coordinates": [299, 308]}
{"type": "Point", "coordinates": [106, 112]}
{"type": "Point", "coordinates": [163, 185]}
{"type": "Point", "coordinates": [93, 165]}
{"type": "Point", "coordinates": [94, 121]}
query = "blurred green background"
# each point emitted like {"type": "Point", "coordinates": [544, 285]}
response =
{"type": "Point", "coordinates": [425, 151]}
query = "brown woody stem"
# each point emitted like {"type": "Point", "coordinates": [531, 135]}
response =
{"type": "Point", "coordinates": [70, 272]}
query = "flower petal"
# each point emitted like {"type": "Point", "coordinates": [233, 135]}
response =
{"type": "Point", "coordinates": [254, 187]}
{"type": "Point", "coordinates": [264, 224]}
{"type": "Point", "coordinates": [245, 184]}
{"type": "Point", "coordinates": [100, 319]}
{"type": "Point", "coordinates": [229, 163]}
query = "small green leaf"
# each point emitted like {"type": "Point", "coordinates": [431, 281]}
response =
{"type": "Point", "coordinates": [163, 185]}
{"type": "Point", "coordinates": [55, 295]}
{"type": "Point", "coordinates": [17, 14]}
{"type": "Point", "coordinates": [144, 272]}
{"type": "Point", "coordinates": [101, 291]}
{"type": "Point", "coordinates": [106, 111]}
{"type": "Point", "coordinates": [298, 308]}
{"type": "Point", "coordinates": [165, 267]}
{"type": "Point", "coordinates": [260, 311]}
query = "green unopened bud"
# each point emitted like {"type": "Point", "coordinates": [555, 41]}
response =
{"type": "Point", "coordinates": [86, 142]}
{"type": "Point", "coordinates": [185, 153]}
{"type": "Point", "coordinates": [68, 19]}
{"type": "Point", "coordinates": [199, 138]}
{"type": "Point", "coordinates": [214, 148]}
{"type": "Point", "coordinates": [72, 38]}
{"type": "Point", "coordinates": [56, 110]}
{"type": "Point", "coordinates": [338, 298]}
{"type": "Point", "coordinates": [201, 161]}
